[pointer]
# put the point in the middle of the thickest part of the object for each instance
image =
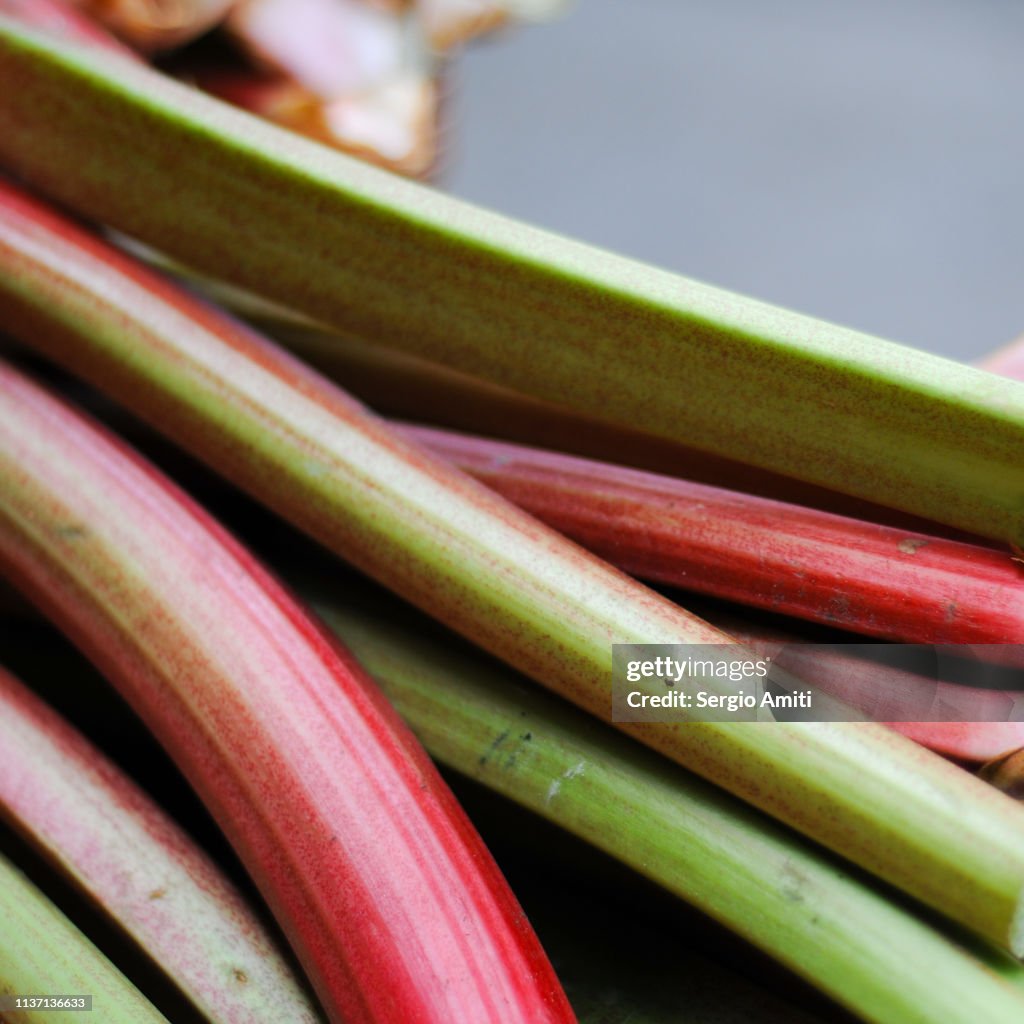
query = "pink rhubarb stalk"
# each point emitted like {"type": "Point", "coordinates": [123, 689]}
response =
{"type": "Point", "coordinates": [132, 862]}
{"type": "Point", "coordinates": [966, 741]}
{"type": "Point", "coordinates": [865, 685]}
{"type": "Point", "coordinates": [390, 899]}
{"type": "Point", "coordinates": [484, 567]}
{"type": "Point", "coordinates": [860, 576]}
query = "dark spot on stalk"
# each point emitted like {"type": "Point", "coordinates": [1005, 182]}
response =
{"type": "Point", "coordinates": [158, 894]}
{"type": "Point", "coordinates": [838, 608]}
{"type": "Point", "coordinates": [527, 736]}
{"type": "Point", "coordinates": [493, 747]}
{"type": "Point", "coordinates": [73, 531]}
{"type": "Point", "coordinates": [240, 976]}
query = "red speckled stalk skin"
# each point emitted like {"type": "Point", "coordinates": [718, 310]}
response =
{"type": "Point", "coordinates": [393, 904]}
{"type": "Point", "coordinates": [814, 565]}
{"type": "Point", "coordinates": [967, 741]}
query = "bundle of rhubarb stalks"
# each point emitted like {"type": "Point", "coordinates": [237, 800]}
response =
{"type": "Point", "coordinates": [196, 304]}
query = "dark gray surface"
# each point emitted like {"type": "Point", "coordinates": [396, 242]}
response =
{"type": "Point", "coordinates": [860, 161]}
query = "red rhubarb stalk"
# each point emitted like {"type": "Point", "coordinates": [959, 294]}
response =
{"type": "Point", "coordinates": [966, 741]}
{"type": "Point", "coordinates": [860, 576]}
{"type": "Point", "coordinates": [484, 567]}
{"type": "Point", "coordinates": [132, 862]}
{"type": "Point", "coordinates": [866, 685]}
{"type": "Point", "coordinates": [390, 899]}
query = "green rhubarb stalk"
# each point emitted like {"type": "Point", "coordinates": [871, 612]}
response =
{"type": "Point", "coordinates": [42, 953]}
{"type": "Point", "coordinates": [484, 567]}
{"type": "Point", "coordinates": [763, 882]}
{"type": "Point", "coordinates": [400, 264]}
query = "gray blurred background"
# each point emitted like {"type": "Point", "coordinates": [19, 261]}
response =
{"type": "Point", "coordinates": [860, 161]}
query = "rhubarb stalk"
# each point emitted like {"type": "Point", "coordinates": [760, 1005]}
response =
{"type": "Point", "coordinates": [485, 568]}
{"type": "Point", "coordinates": [81, 812]}
{"type": "Point", "coordinates": [403, 265]}
{"type": "Point", "coordinates": [867, 685]}
{"type": "Point", "coordinates": [398, 384]}
{"type": "Point", "coordinates": [43, 953]}
{"type": "Point", "coordinates": [774, 889]}
{"type": "Point", "coordinates": [845, 572]}
{"type": "Point", "coordinates": [390, 899]}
